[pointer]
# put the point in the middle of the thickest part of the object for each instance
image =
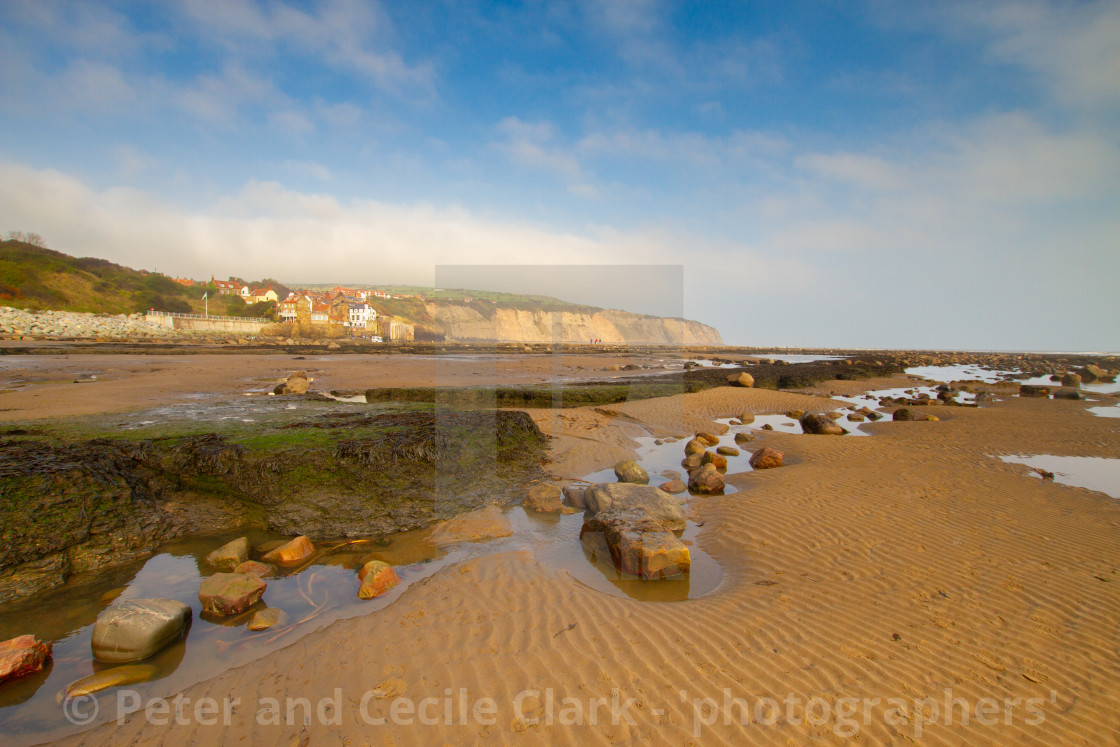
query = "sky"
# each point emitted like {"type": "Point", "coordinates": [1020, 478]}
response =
{"type": "Point", "coordinates": [851, 174]}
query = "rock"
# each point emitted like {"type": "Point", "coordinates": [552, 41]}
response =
{"type": "Point", "coordinates": [334, 346]}
{"type": "Point", "coordinates": [137, 629]}
{"type": "Point", "coordinates": [230, 593]}
{"type": "Point", "coordinates": [707, 439]}
{"type": "Point", "coordinates": [767, 427]}
{"type": "Point", "coordinates": [22, 655]}
{"type": "Point", "coordinates": [693, 461]}
{"type": "Point", "coordinates": [266, 618]}
{"type": "Point", "coordinates": [1068, 394]}
{"type": "Point", "coordinates": [744, 438]}
{"type": "Point", "coordinates": [820, 425]}
{"type": "Point", "coordinates": [377, 577]}
{"type": "Point", "coordinates": [291, 553]}
{"type": "Point", "coordinates": [1099, 374]}
{"type": "Point", "coordinates": [630, 471]}
{"type": "Point", "coordinates": [767, 458]}
{"type": "Point", "coordinates": [835, 415]}
{"type": "Point", "coordinates": [296, 383]}
{"type": "Point", "coordinates": [255, 568]}
{"type": "Point", "coordinates": [742, 379]}
{"type": "Point", "coordinates": [547, 499]}
{"type": "Point", "coordinates": [718, 460]}
{"type": "Point", "coordinates": [902, 413]}
{"type": "Point", "coordinates": [657, 503]}
{"type": "Point", "coordinates": [695, 446]}
{"type": "Point", "coordinates": [1029, 390]}
{"type": "Point", "coordinates": [638, 544]}
{"type": "Point", "coordinates": [794, 414]}
{"type": "Point", "coordinates": [230, 555]}
{"type": "Point", "coordinates": [1070, 379]}
{"type": "Point", "coordinates": [856, 417]}
{"type": "Point", "coordinates": [706, 481]}
{"type": "Point", "coordinates": [746, 418]}
{"type": "Point", "coordinates": [573, 496]}
{"type": "Point", "coordinates": [129, 674]}
{"type": "Point", "coordinates": [727, 451]}
{"type": "Point", "coordinates": [475, 526]}
{"type": "Point", "coordinates": [673, 487]}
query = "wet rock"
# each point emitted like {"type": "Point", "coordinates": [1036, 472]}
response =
{"type": "Point", "coordinates": [660, 506]}
{"type": "Point", "coordinates": [1068, 394]}
{"type": "Point", "coordinates": [746, 418]}
{"type": "Point", "coordinates": [873, 415]}
{"type": "Point", "coordinates": [573, 496]}
{"type": "Point", "coordinates": [727, 451]}
{"type": "Point", "coordinates": [230, 555]}
{"type": "Point", "coordinates": [695, 446]}
{"type": "Point", "coordinates": [718, 460]}
{"type": "Point", "coordinates": [22, 655]}
{"type": "Point", "coordinates": [296, 383]}
{"type": "Point", "coordinates": [693, 461]}
{"type": "Point", "coordinates": [291, 553]}
{"type": "Point", "coordinates": [129, 674]}
{"type": "Point", "coordinates": [230, 593]}
{"type": "Point", "coordinates": [820, 425]}
{"type": "Point", "coordinates": [856, 417]}
{"type": "Point", "coordinates": [903, 414]}
{"type": "Point", "coordinates": [630, 471]}
{"type": "Point", "coordinates": [475, 526]}
{"type": "Point", "coordinates": [377, 577]}
{"type": "Point", "coordinates": [794, 414]}
{"type": "Point", "coordinates": [639, 545]}
{"type": "Point", "coordinates": [744, 438]}
{"type": "Point", "coordinates": [767, 458]}
{"type": "Point", "coordinates": [1030, 390]}
{"type": "Point", "coordinates": [255, 568]}
{"type": "Point", "coordinates": [1099, 374]}
{"type": "Point", "coordinates": [707, 480]}
{"type": "Point", "coordinates": [266, 618]}
{"type": "Point", "coordinates": [1070, 379]}
{"type": "Point", "coordinates": [767, 427]}
{"type": "Point", "coordinates": [707, 439]}
{"type": "Point", "coordinates": [547, 499]}
{"type": "Point", "coordinates": [137, 629]}
{"type": "Point", "coordinates": [742, 379]}
{"type": "Point", "coordinates": [673, 487]}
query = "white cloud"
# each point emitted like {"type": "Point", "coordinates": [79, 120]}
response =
{"type": "Point", "coordinates": [529, 144]}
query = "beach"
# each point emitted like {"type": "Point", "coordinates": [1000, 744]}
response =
{"type": "Point", "coordinates": [904, 587]}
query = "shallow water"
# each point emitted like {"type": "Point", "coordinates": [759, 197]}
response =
{"type": "Point", "coordinates": [972, 372]}
{"type": "Point", "coordinates": [1095, 473]}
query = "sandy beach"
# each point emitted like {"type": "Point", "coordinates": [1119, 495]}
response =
{"type": "Point", "coordinates": [906, 587]}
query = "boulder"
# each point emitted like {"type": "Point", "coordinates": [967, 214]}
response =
{"type": "Point", "coordinates": [707, 439]}
{"type": "Point", "coordinates": [296, 383]}
{"type": "Point", "coordinates": [746, 418]}
{"type": "Point", "coordinates": [137, 629]}
{"type": "Point", "coordinates": [673, 487]}
{"type": "Point", "coordinates": [266, 618]}
{"type": "Point", "coordinates": [230, 593]}
{"type": "Point", "coordinates": [1068, 394]}
{"type": "Point", "coordinates": [230, 555]}
{"type": "Point", "coordinates": [474, 526]}
{"type": "Point", "coordinates": [1099, 374]}
{"type": "Point", "coordinates": [1030, 390]}
{"type": "Point", "coordinates": [767, 458]}
{"type": "Point", "coordinates": [856, 417]}
{"type": "Point", "coordinates": [706, 481]}
{"type": "Point", "coordinates": [727, 450]}
{"type": "Point", "coordinates": [718, 460]}
{"type": "Point", "coordinates": [255, 568]}
{"type": "Point", "coordinates": [377, 577]}
{"type": "Point", "coordinates": [660, 506]}
{"type": "Point", "coordinates": [741, 379]}
{"type": "Point", "coordinates": [573, 496]}
{"type": "Point", "coordinates": [1070, 379]}
{"type": "Point", "coordinates": [22, 655]}
{"type": "Point", "coordinates": [744, 438]}
{"type": "Point", "coordinates": [794, 414]}
{"type": "Point", "coordinates": [291, 553]}
{"type": "Point", "coordinates": [820, 425]}
{"type": "Point", "coordinates": [693, 461]}
{"type": "Point", "coordinates": [873, 415]}
{"type": "Point", "coordinates": [548, 499]}
{"type": "Point", "coordinates": [630, 471]}
{"type": "Point", "coordinates": [902, 413]}
{"type": "Point", "coordinates": [638, 544]}
{"type": "Point", "coordinates": [695, 446]}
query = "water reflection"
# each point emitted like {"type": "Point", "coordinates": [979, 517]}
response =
{"type": "Point", "coordinates": [1095, 473]}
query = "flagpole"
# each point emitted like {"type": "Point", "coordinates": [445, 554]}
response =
{"type": "Point", "coordinates": [206, 303]}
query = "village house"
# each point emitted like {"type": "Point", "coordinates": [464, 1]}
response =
{"type": "Point", "coordinates": [229, 287]}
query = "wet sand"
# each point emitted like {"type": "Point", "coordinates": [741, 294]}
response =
{"type": "Point", "coordinates": [911, 565]}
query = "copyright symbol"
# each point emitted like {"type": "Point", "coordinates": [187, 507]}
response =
{"type": "Point", "coordinates": [80, 709]}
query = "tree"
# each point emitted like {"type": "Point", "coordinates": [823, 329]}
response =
{"type": "Point", "coordinates": [28, 237]}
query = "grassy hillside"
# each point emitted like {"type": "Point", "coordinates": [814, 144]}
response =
{"type": "Point", "coordinates": [481, 299]}
{"type": "Point", "coordinates": [36, 278]}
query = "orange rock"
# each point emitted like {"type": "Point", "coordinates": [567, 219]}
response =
{"type": "Point", "coordinates": [293, 552]}
{"type": "Point", "coordinates": [767, 458]}
{"type": "Point", "coordinates": [23, 655]}
{"type": "Point", "coordinates": [377, 577]}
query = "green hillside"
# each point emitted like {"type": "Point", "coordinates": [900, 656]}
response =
{"type": "Point", "coordinates": [33, 277]}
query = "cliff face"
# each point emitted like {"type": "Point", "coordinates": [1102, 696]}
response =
{"type": "Point", "coordinates": [460, 322]}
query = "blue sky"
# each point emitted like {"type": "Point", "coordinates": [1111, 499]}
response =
{"type": "Point", "coordinates": [878, 174]}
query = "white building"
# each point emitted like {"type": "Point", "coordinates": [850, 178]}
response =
{"type": "Point", "coordinates": [360, 315]}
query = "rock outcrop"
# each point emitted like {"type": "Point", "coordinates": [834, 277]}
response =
{"type": "Point", "coordinates": [137, 629]}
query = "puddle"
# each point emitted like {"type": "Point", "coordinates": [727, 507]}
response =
{"type": "Point", "coordinates": [1106, 411]}
{"type": "Point", "coordinates": [967, 372]}
{"type": "Point", "coordinates": [1095, 473]}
